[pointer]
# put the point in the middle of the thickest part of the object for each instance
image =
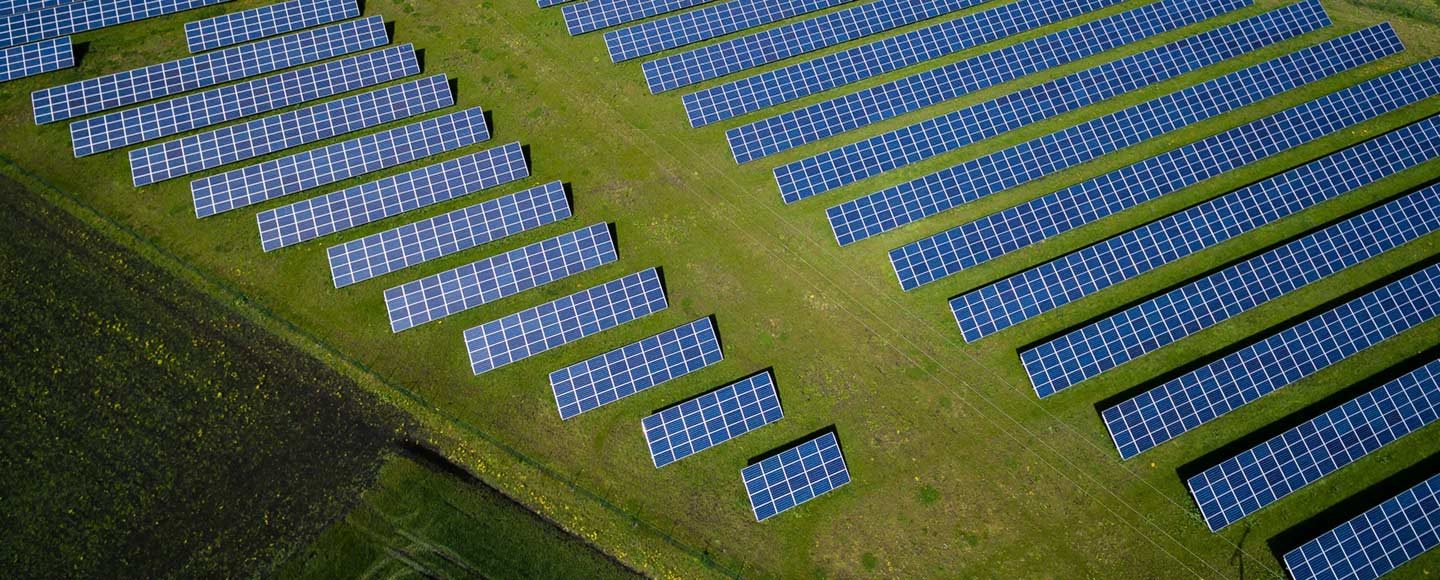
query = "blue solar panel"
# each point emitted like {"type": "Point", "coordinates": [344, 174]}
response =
{"type": "Point", "coordinates": [231, 102]}
{"type": "Point", "coordinates": [197, 72]}
{"type": "Point", "coordinates": [937, 135]}
{"type": "Point", "coordinates": [635, 367]}
{"type": "Point", "coordinates": [795, 476]}
{"type": "Point", "coordinates": [1051, 285]}
{"type": "Point", "coordinates": [72, 18]}
{"type": "Point", "coordinates": [565, 320]}
{"type": "Point", "coordinates": [953, 250]}
{"type": "Point", "coordinates": [37, 58]}
{"type": "Point", "coordinates": [592, 15]}
{"type": "Point", "coordinates": [926, 196]}
{"type": "Point", "coordinates": [703, 24]}
{"type": "Point", "coordinates": [11, 7]}
{"type": "Point", "coordinates": [698, 424]}
{"type": "Point", "coordinates": [549, 3]}
{"type": "Point", "coordinates": [1375, 542]}
{"type": "Point", "coordinates": [365, 203]}
{"type": "Point", "coordinates": [782, 42]}
{"type": "Point", "coordinates": [447, 234]}
{"type": "Point", "coordinates": [1062, 362]}
{"type": "Point", "coordinates": [1198, 397]}
{"type": "Point", "coordinates": [256, 23]}
{"type": "Point", "coordinates": [498, 277]}
{"type": "Point", "coordinates": [1263, 474]}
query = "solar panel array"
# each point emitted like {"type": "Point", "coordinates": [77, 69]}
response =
{"type": "Point", "coordinates": [28, 60]}
{"type": "Point", "coordinates": [1196, 398]}
{"type": "Point", "coordinates": [968, 245]}
{"type": "Point", "coordinates": [1263, 474]}
{"type": "Point", "coordinates": [72, 18]}
{"type": "Point", "coordinates": [550, 325]}
{"type": "Point", "coordinates": [501, 276]}
{"type": "Point", "coordinates": [194, 111]}
{"type": "Point", "coordinates": [641, 365]}
{"type": "Point", "coordinates": [200, 71]}
{"type": "Point", "coordinates": [309, 169]}
{"type": "Point", "coordinates": [549, 3]}
{"type": "Point", "coordinates": [782, 42]}
{"type": "Point", "coordinates": [1062, 362]}
{"type": "Point", "coordinates": [659, 35]}
{"type": "Point", "coordinates": [9, 7]}
{"type": "Point", "coordinates": [1376, 542]}
{"type": "Point", "coordinates": [1054, 284]}
{"type": "Point", "coordinates": [256, 23]}
{"type": "Point", "coordinates": [365, 203]}
{"type": "Point", "coordinates": [951, 131]}
{"type": "Point", "coordinates": [698, 424]}
{"type": "Point", "coordinates": [795, 476]}
{"type": "Point", "coordinates": [446, 234]}
{"type": "Point", "coordinates": [926, 196]}
{"type": "Point", "coordinates": [592, 15]}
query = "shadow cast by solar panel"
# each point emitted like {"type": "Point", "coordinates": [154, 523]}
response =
{"type": "Point", "coordinates": [81, 49]}
{"type": "Point", "coordinates": [420, 59]}
{"type": "Point", "coordinates": [659, 277]}
{"type": "Point", "coordinates": [1346, 509]}
{"type": "Point", "coordinates": [525, 154]}
{"type": "Point", "coordinates": [770, 370]}
{"type": "Point", "coordinates": [389, 26]}
{"type": "Point", "coordinates": [486, 113]}
{"type": "Point", "coordinates": [783, 447]}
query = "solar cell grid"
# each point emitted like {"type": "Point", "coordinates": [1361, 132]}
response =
{"type": "Point", "coordinates": [11, 7]}
{"type": "Point", "coordinates": [1198, 397]}
{"type": "Point", "coordinates": [376, 200]}
{"type": "Point", "coordinates": [965, 246]}
{"type": "Point", "coordinates": [76, 17]}
{"type": "Point", "coordinates": [549, 3]}
{"type": "Point", "coordinates": [447, 234]}
{"type": "Point", "coordinates": [256, 23]}
{"type": "Point", "coordinates": [795, 476]}
{"type": "Point", "coordinates": [638, 366]}
{"type": "Point", "coordinates": [1051, 285]}
{"type": "Point", "coordinates": [1263, 474]}
{"type": "Point", "coordinates": [36, 58]}
{"type": "Point", "coordinates": [690, 27]}
{"type": "Point", "coordinates": [497, 277]}
{"type": "Point", "coordinates": [782, 42]}
{"type": "Point", "coordinates": [914, 143]}
{"type": "Point", "coordinates": [565, 320]}
{"type": "Point", "coordinates": [1065, 361]}
{"type": "Point", "coordinates": [926, 196]}
{"type": "Point", "coordinates": [1376, 542]}
{"type": "Point", "coordinates": [592, 15]}
{"type": "Point", "coordinates": [230, 102]}
{"type": "Point", "coordinates": [713, 418]}
{"type": "Point", "coordinates": [205, 70]}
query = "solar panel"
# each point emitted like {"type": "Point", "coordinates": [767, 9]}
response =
{"type": "Point", "coordinates": [592, 15]}
{"type": "Point", "coordinates": [565, 320]}
{"type": "Point", "coordinates": [32, 59]}
{"type": "Point", "coordinates": [1263, 474]}
{"type": "Point", "coordinates": [76, 17]}
{"type": "Point", "coordinates": [1062, 362]}
{"type": "Point", "coordinates": [256, 23]}
{"type": "Point", "coordinates": [638, 366]}
{"type": "Point", "coordinates": [497, 277]}
{"type": "Point", "coordinates": [703, 24]}
{"type": "Point", "coordinates": [713, 418]}
{"type": "Point", "coordinates": [447, 234]}
{"type": "Point", "coordinates": [782, 42]}
{"type": "Point", "coordinates": [926, 196]}
{"type": "Point", "coordinates": [1054, 284]}
{"type": "Point", "coordinates": [968, 245]}
{"type": "Point", "coordinates": [197, 72]}
{"type": "Point", "coordinates": [795, 476]}
{"type": "Point", "coordinates": [234, 143]}
{"type": "Point", "coordinates": [376, 200]}
{"type": "Point", "coordinates": [10, 7]}
{"type": "Point", "coordinates": [1375, 542]}
{"type": "Point", "coordinates": [937, 135]}
{"type": "Point", "coordinates": [230, 102]}
{"type": "Point", "coordinates": [549, 3]}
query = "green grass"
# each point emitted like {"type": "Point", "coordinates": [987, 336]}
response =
{"type": "Point", "coordinates": [1025, 488]}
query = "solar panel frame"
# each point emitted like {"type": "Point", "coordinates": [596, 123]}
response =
{"type": "Point", "coordinates": [270, 20]}
{"type": "Point", "coordinates": [86, 15]}
{"type": "Point", "coordinates": [450, 233]}
{"type": "Point", "coordinates": [1376, 542]}
{"type": "Point", "coordinates": [636, 367]}
{"type": "Point", "coordinates": [368, 202]}
{"type": "Point", "coordinates": [692, 426]}
{"type": "Point", "coordinates": [196, 72]}
{"type": "Point", "coordinates": [1008, 302]}
{"type": "Point", "coordinates": [592, 15]}
{"type": "Point", "coordinates": [1265, 473]}
{"type": "Point", "coordinates": [648, 38]}
{"type": "Point", "coordinates": [230, 102]}
{"type": "Point", "coordinates": [795, 476]}
{"type": "Point", "coordinates": [931, 194]}
{"type": "Point", "coordinates": [28, 60]}
{"type": "Point", "coordinates": [553, 324]}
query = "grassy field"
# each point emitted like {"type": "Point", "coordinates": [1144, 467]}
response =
{"type": "Point", "coordinates": [958, 469]}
